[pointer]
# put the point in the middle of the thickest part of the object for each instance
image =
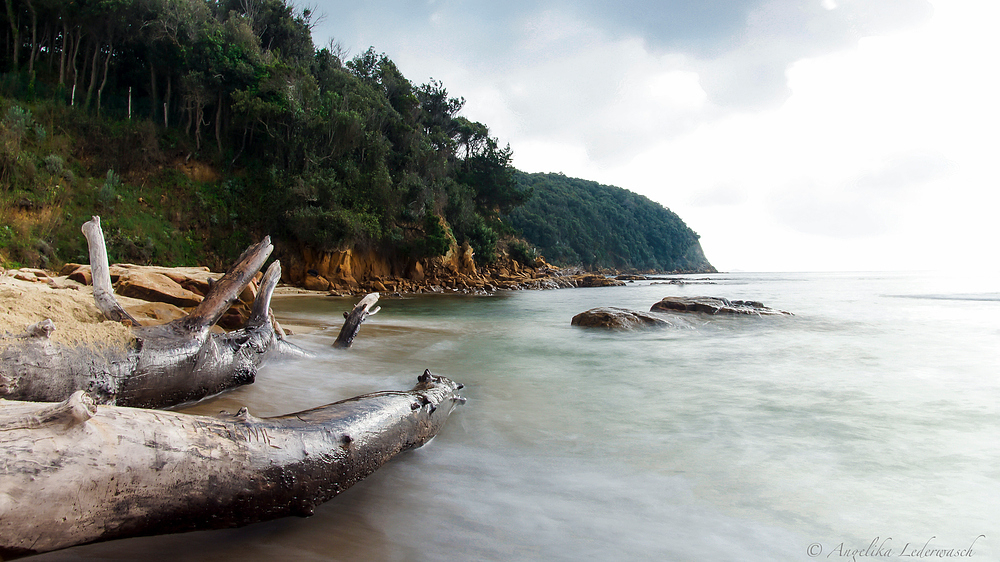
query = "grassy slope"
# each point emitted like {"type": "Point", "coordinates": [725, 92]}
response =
{"type": "Point", "coordinates": [58, 167]}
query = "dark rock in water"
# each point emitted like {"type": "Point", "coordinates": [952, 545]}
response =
{"type": "Point", "coordinates": [713, 305]}
{"type": "Point", "coordinates": [597, 281]}
{"type": "Point", "coordinates": [704, 281]}
{"type": "Point", "coordinates": [611, 317]}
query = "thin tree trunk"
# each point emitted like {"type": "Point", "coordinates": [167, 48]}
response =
{"type": "Point", "coordinates": [62, 54]}
{"type": "Point", "coordinates": [34, 37]}
{"type": "Point", "coordinates": [15, 33]}
{"type": "Point", "coordinates": [104, 80]}
{"type": "Point", "coordinates": [218, 123]}
{"type": "Point", "coordinates": [152, 92]}
{"type": "Point", "coordinates": [166, 101]}
{"type": "Point", "coordinates": [93, 74]}
{"type": "Point", "coordinates": [73, 59]}
{"type": "Point", "coordinates": [199, 115]}
{"type": "Point", "coordinates": [48, 41]}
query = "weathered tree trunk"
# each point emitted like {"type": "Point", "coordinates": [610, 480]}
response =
{"type": "Point", "coordinates": [354, 318]}
{"type": "Point", "coordinates": [77, 473]}
{"type": "Point", "coordinates": [165, 365]}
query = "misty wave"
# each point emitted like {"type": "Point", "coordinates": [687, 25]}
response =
{"type": "Point", "coordinates": [956, 297]}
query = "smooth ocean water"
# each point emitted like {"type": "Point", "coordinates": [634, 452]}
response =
{"type": "Point", "coordinates": [873, 414]}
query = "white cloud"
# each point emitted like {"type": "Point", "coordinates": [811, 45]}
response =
{"type": "Point", "coordinates": [882, 157]}
{"type": "Point", "coordinates": [801, 149]}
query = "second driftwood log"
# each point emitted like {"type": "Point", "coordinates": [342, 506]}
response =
{"type": "Point", "coordinates": [76, 473]}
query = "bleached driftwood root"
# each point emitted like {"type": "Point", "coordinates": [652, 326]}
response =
{"type": "Point", "coordinates": [165, 365]}
{"type": "Point", "coordinates": [76, 473]}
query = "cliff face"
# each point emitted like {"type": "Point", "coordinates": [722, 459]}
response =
{"type": "Point", "coordinates": [353, 270]}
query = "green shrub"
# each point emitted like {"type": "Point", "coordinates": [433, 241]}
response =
{"type": "Point", "coordinates": [54, 164]}
{"type": "Point", "coordinates": [522, 252]}
{"type": "Point", "coordinates": [107, 194]}
{"type": "Point", "coordinates": [18, 120]}
{"type": "Point", "coordinates": [437, 239]}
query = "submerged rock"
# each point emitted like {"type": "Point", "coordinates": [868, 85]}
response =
{"type": "Point", "coordinates": [713, 305]}
{"type": "Point", "coordinates": [621, 318]}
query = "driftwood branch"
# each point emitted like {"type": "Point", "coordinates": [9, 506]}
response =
{"type": "Point", "coordinates": [165, 365]}
{"type": "Point", "coordinates": [225, 291]}
{"type": "Point", "coordinates": [354, 318]}
{"type": "Point", "coordinates": [77, 473]}
{"type": "Point", "coordinates": [104, 295]}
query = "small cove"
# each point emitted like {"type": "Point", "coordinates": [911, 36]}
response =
{"type": "Point", "coordinates": [863, 416]}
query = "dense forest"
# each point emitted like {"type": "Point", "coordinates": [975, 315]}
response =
{"type": "Point", "coordinates": [328, 152]}
{"type": "Point", "coordinates": [196, 126]}
{"type": "Point", "coordinates": [574, 221]}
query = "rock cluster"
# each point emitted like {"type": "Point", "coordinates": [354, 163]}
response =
{"type": "Point", "coordinates": [714, 305]}
{"type": "Point", "coordinates": [664, 313]}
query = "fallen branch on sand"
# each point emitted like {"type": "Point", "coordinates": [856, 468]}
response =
{"type": "Point", "coordinates": [76, 473]}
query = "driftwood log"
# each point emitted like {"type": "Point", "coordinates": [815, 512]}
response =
{"type": "Point", "coordinates": [354, 318]}
{"type": "Point", "coordinates": [165, 365]}
{"type": "Point", "coordinates": [75, 473]}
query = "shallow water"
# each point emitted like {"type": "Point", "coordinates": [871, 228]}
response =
{"type": "Point", "coordinates": [873, 414]}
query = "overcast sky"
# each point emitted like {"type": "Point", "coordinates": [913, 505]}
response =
{"type": "Point", "coordinates": [792, 135]}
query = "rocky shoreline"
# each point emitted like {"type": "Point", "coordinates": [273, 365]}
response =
{"type": "Point", "coordinates": [355, 272]}
{"type": "Point", "coordinates": [160, 294]}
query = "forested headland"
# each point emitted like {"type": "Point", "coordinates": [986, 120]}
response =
{"type": "Point", "coordinates": [194, 127]}
{"type": "Point", "coordinates": [574, 221]}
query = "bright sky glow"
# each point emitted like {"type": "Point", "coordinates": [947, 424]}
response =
{"type": "Point", "coordinates": [788, 140]}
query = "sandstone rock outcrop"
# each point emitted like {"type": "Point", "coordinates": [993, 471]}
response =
{"type": "Point", "coordinates": [180, 287]}
{"type": "Point", "coordinates": [155, 287]}
{"type": "Point", "coordinates": [355, 272]}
